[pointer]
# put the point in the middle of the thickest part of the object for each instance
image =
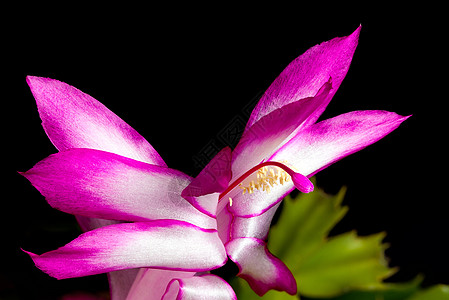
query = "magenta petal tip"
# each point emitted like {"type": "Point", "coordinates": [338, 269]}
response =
{"type": "Point", "coordinates": [31, 254]}
{"type": "Point", "coordinates": [262, 270]}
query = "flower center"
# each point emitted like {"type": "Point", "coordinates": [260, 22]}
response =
{"type": "Point", "coordinates": [264, 177]}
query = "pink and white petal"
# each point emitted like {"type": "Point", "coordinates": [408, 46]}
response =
{"type": "Point", "coordinates": [206, 204]}
{"type": "Point", "coordinates": [120, 283]}
{"type": "Point", "coordinates": [162, 244]}
{"type": "Point", "coordinates": [274, 129]}
{"type": "Point", "coordinates": [152, 283]}
{"type": "Point", "coordinates": [224, 223]}
{"type": "Point", "coordinates": [328, 141]}
{"type": "Point", "coordinates": [259, 267]}
{"type": "Point", "coordinates": [105, 185]}
{"type": "Point", "coordinates": [254, 227]}
{"type": "Point", "coordinates": [203, 287]}
{"type": "Point", "coordinates": [304, 76]}
{"type": "Point", "coordinates": [254, 204]}
{"type": "Point", "coordinates": [73, 119]}
{"type": "Point", "coordinates": [212, 180]}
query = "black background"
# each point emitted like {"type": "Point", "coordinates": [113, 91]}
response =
{"type": "Point", "coordinates": [179, 75]}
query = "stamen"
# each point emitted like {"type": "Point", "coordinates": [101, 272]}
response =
{"type": "Point", "coordinates": [266, 176]}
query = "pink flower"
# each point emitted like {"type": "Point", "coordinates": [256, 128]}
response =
{"type": "Point", "coordinates": [106, 171]}
{"type": "Point", "coordinates": [281, 147]}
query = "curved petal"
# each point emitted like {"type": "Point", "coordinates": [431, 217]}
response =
{"type": "Point", "coordinates": [73, 119]}
{"type": "Point", "coordinates": [120, 282]}
{"type": "Point", "coordinates": [104, 185]}
{"type": "Point", "coordinates": [274, 129]}
{"type": "Point", "coordinates": [254, 227]}
{"type": "Point", "coordinates": [328, 141]}
{"type": "Point", "coordinates": [152, 283]}
{"type": "Point", "coordinates": [224, 223]}
{"type": "Point", "coordinates": [163, 244]}
{"type": "Point", "coordinates": [304, 76]}
{"type": "Point", "coordinates": [259, 267]}
{"type": "Point", "coordinates": [205, 286]}
{"type": "Point", "coordinates": [203, 191]}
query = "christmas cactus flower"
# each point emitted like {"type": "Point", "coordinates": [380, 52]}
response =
{"type": "Point", "coordinates": [107, 173]}
{"type": "Point", "coordinates": [281, 147]}
{"type": "Point", "coordinates": [179, 227]}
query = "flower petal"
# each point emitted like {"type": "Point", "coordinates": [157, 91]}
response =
{"type": "Point", "coordinates": [321, 144]}
{"type": "Point", "coordinates": [120, 282]}
{"type": "Point", "coordinates": [274, 129]}
{"type": "Point", "coordinates": [224, 223]}
{"type": "Point", "coordinates": [258, 202]}
{"type": "Point", "coordinates": [163, 244]}
{"type": "Point", "coordinates": [254, 227]}
{"type": "Point", "coordinates": [205, 286]}
{"type": "Point", "coordinates": [73, 119]}
{"type": "Point", "coordinates": [213, 179]}
{"type": "Point", "coordinates": [152, 283]}
{"type": "Point", "coordinates": [259, 267]}
{"type": "Point", "coordinates": [304, 76]}
{"type": "Point", "coordinates": [105, 185]}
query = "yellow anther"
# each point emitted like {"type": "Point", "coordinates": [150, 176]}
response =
{"type": "Point", "coordinates": [266, 178]}
{"type": "Point", "coordinates": [230, 201]}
